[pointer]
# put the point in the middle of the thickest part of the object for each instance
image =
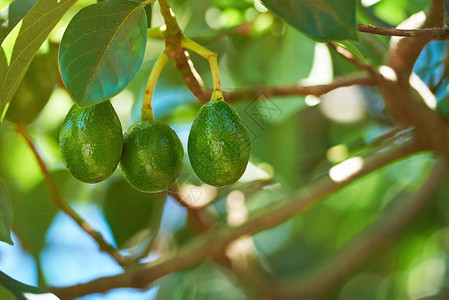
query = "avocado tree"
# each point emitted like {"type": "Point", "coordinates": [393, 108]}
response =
{"type": "Point", "coordinates": [224, 149]}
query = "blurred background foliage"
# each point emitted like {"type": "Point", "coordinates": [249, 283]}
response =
{"type": "Point", "coordinates": [294, 140]}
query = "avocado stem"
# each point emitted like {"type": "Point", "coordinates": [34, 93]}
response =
{"type": "Point", "coordinates": [156, 32]}
{"type": "Point", "coordinates": [211, 57]}
{"type": "Point", "coordinates": [147, 110]}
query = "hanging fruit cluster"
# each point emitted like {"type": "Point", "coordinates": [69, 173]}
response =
{"type": "Point", "coordinates": [150, 153]}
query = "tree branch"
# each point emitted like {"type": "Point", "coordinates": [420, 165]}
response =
{"type": "Point", "coordinates": [432, 131]}
{"type": "Point", "coordinates": [446, 14]}
{"type": "Point", "coordinates": [190, 75]}
{"type": "Point", "coordinates": [369, 243]}
{"type": "Point", "coordinates": [214, 241]}
{"type": "Point", "coordinates": [249, 272]}
{"type": "Point", "coordinates": [350, 57]}
{"type": "Point", "coordinates": [65, 207]}
{"type": "Point", "coordinates": [173, 36]}
{"type": "Point", "coordinates": [434, 33]}
{"type": "Point", "coordinates": [405, 51]}
{"type": "Point", "coordinates": [304, 90]}
{"type": "Point", "coordinates": [195, 84]}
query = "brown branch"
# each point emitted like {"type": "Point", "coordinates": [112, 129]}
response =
{"type": "Point", "coordinates": [434, 33]}
{"type": "Point", "coordinates": [192, 79]}
{"type": "Point", "coordinates": [315, 90]}
{"type": "Point", "coordinates": [350, 57]}
{"type": "Point", "coordinates": [195, 84]}
{"type": "Point", "coordinates": [446, 14]}
{"type": "Point", "coordinates": [64, 206]}
{"type": "Point", "coordinates": [405, 51]}
{"type": "Point", "coordinates": [190, 75]}
{"type": "Point", "coordinates": [369, 243]}
{"type": "Point", "coordinates": [432, 131]}
{"type": "Point", "coordinates": [214, 241]}
{"type": "Point", "coordinates": [251, 273]}
{"type": "Point", "coordinates": [173, 36]}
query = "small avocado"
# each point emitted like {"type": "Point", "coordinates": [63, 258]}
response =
{"type": "Point", "coordinates": [34, 91]}
{"type": "Point", "coordinates": [219, 145]}
{"type": "Point", "coordinates": [91, 141]}
{"type": "Point", "coordinates": [152, 156]}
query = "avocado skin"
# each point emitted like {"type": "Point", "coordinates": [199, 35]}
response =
{"type": "Point", "coordinates": [152, 156]}
{"type": "Point", "coordinates": [219, 145]}
{"type": "Point", "coordinates": [34, 91]}
{"type": "Point", "coordinates": [91, 141]}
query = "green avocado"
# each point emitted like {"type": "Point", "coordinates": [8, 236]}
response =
{"type": "Point", "coordinates": [152, 156]}
{"type": "Point", "coordinates": [91, 141]}
{"type": "Point", "coordinates": [34, 91]}
{"type": "Point", "coordinates": [219, 145]}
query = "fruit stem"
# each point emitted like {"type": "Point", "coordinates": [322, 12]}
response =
{"type": "Point", "coordinates": [146, 2]}
{"type": "Point", "coordinates": [147, 110]}
{"type": "Point", "coordinates": [187, 43]}
{"type": "Point", "coordinates": [156, 32]}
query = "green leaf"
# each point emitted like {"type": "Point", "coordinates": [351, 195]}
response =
{"type": "Point", "coordinates": [148, 14]}
{"type": "Point", "coordinates": [5, 294]}
{"type": "Point", "coordinates": [443, 107]}
{"type": "Point", "coordinates": [22, 291]}
{"type": "Point", "coordinates": [5, 215]}
{"type": "Point", "coordinates": [129, 211]}
{"type": "Point", "coordinates": [320, 19]}
{"type": "Point", "coordinates": [353, 49]}
{"type": "Point", "coordinates": [35, 89]}
{"type": "Point", "coordinates": [102, 50]}
{"type": "Point", "coordinates": [22, 43]}
{"type": "Point", "coordinates": [280, 60]}
{"type": "Point", "coordinates": [12, 14]}
{"type": "Point", "coordinates": [35, 211]}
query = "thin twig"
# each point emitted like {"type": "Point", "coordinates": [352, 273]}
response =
{"type": "Point", "coordinates": [350, 57]}
{"type": "Point", "coordinates": [368, 243]}
{"type": "Point", "coordinates": [214, 241]}
{"type": "Point", "coordinates": [247, 94]}
{"type": "Point", "coordinates": [436, 33]}
{"type": "Point", "coordinates": [65, 207]}
{"type": "Point", "coordinates": [174, 49]}
{"type": "Point", "coordinates": [405, 51]}
{"type": "Point", "coordinates": [444, 74]}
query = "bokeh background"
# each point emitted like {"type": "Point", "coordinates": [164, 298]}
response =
{"type": "Point", "coordinates": [294, 140]}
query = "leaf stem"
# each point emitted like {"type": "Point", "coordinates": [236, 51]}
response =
{"type": "Point", "coordinates": [65, 207]}
{"type": "Point", "coordinates": [187, 43]}
{"type": "Point", "coordinates": [147, 110]}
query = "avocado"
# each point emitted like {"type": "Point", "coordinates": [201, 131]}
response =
{"type": "Point", "coordinates": [152, 156]}
{"type": "Point", "coordinates": [91, 141]}
{"type": "Point", "coordinates": [219, 145]}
